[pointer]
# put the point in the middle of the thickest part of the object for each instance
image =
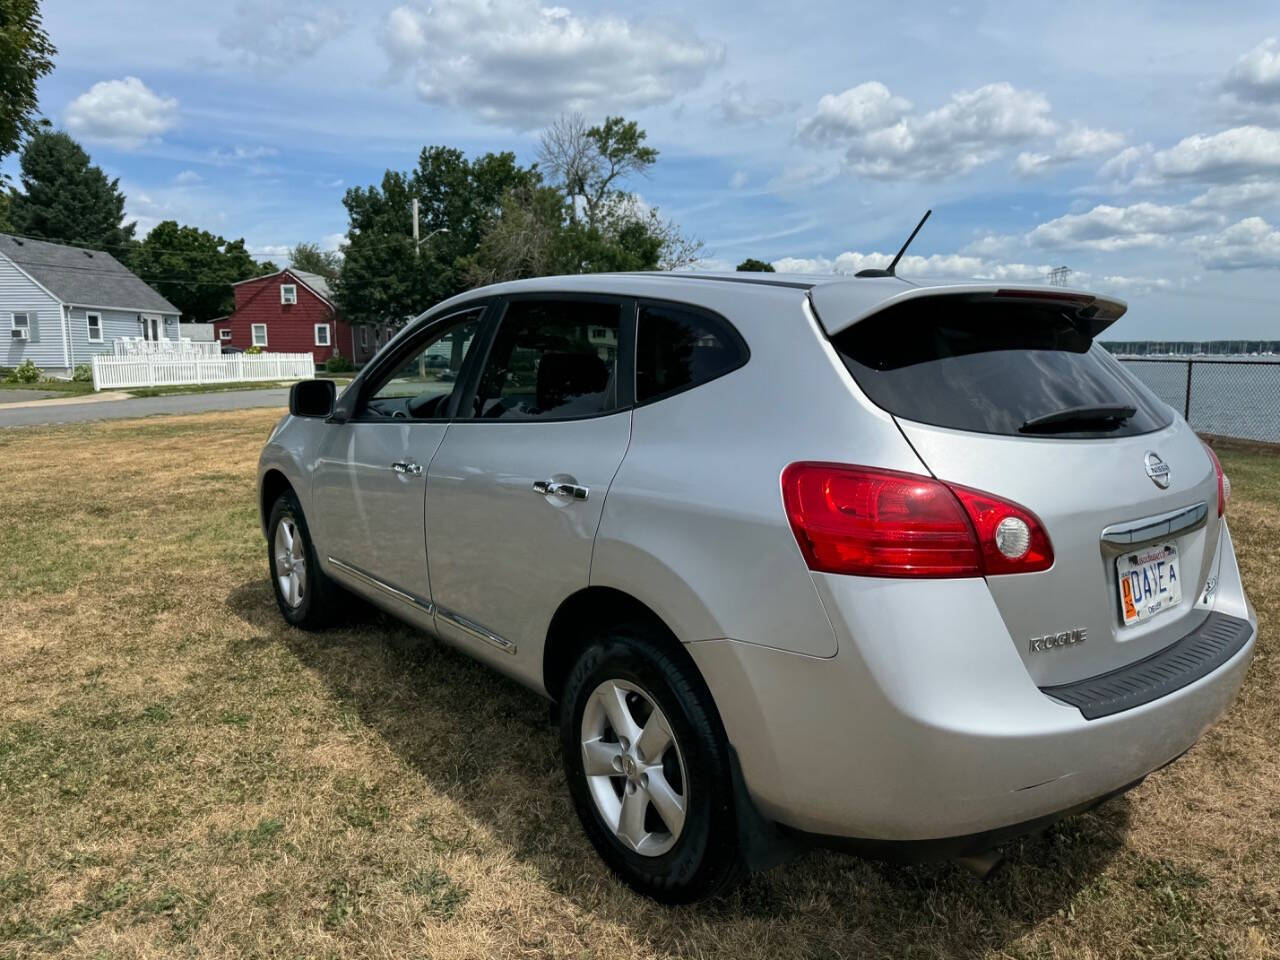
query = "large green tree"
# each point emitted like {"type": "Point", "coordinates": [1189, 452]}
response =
{"type": "Point", "coordinates": [66, 198]}
{"type": "Point", "coordinates": [194, 269]}
{"type": "Point", "coordinates": [383, 278]}
{"type": "Point", "coordinates": [26, 55]}
{"type": "Point", "coordinates": [309, 258]}
{"type": "Point", "coordinates": [752, 265]}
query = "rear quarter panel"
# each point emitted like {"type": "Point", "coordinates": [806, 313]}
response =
{"type": "Point", "coordinates": [694, 525]}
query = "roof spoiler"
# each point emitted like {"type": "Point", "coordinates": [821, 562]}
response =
{"type": "Point", "coordinates": [841, 305]}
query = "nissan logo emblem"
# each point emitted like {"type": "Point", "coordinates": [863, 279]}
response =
{"type": "Point", "coordinates": [1157, 470]}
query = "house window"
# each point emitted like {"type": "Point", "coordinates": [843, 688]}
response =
{"type": "Point", "coordinates": [94, 320]}
{"type": "Point", "coordinates": [259, 334]}
{"type": "Point", "coordinates": [288, 293]}
{"type": "Point", "coordinates": [364, 338]}
{"type": "Point", "coordinates": [22, 323]}
{"type": "Point", "coordinates": [224, 333]}
{"type": "Point", "coordinates": [322, 335]}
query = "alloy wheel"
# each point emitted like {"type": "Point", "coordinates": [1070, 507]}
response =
{"type": "Point", "coordinates": [291, 562]}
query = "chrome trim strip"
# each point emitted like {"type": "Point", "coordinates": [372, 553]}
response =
{"type": "Point", "coordinates": [1152, 528]}
{"type": "Point", "coordinates": [473, 628]}
{"type": "Point", "coordinates": [369, 579]}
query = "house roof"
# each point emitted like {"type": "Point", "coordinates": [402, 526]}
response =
{"type": "Point", "coordinates": [318, 284]}
{"type": "Point", "coordinates": [76, 275]}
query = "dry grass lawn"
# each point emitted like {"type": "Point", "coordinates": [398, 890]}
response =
{"type": "Point", "coordinates": [182, 776]}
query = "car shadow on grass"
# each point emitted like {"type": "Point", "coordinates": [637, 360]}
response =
{"type": "Point", "coordinates": [488, 744]}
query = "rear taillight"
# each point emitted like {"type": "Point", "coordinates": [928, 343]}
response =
{"type": "Point", "coordinates": [883, 523]}
{"type": "Point", "coordinates": [1224, 482]}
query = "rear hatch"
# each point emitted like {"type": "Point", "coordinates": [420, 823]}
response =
{"type": "Point", "coordinates": [1006, 392]}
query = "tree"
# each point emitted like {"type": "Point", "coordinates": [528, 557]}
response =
{"type": "Point", "coordinates": [194, 269]}
{"type": "Point", "coordinates": [66, 199]}
{"type": "Point", "coordinates": [26, 55]}
{"type": "Point", "coordinates": [589, 163]}
{"type": "Point", "coordinates": [5, 225]}
{"type": "Point", "coordinates": [591, 166]}
{"type": "Point", "coordinates": [309, 258]}
{"type": "Point", "coordinates": [752, 265]}
{"type": "Point", "coordinates": [383, 279]}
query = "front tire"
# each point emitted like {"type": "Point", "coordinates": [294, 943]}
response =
{"type": "Point", "coordinates": [306, 597]}
{"type": "Point", "coordinates": [648, 769]}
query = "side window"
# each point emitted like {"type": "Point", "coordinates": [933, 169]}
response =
{"type": "Point", "coordinates": [678, 348]}
{"type": "Point", "coordinates": [552, 360]}
{"type": "Point", "coordinates": [420, 386]}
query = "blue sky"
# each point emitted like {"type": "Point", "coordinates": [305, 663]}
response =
{"type": "Point", "coordinates": [1138, 144]}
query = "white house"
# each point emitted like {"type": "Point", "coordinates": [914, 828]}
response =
{"type": "Point", "coordinates": [60, 305]}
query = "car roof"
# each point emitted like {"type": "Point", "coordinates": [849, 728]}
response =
{"type": "Point", "coordinates": [839, 300]}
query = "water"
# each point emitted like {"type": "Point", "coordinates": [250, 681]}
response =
{"type": "Point", "coordinates": [1228, 398]}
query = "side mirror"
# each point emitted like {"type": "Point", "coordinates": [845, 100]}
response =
{"type": "Point", "coordinates": [312, 398]}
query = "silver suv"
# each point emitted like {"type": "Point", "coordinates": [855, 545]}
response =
{"type": "Point", "coordinates": [901, 568]}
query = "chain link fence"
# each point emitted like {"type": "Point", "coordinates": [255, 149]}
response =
{"type": "Point", "coordinates": [1226, 398]}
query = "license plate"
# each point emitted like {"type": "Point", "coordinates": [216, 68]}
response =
{"type": "Point", "coordinates": [1149, 582]}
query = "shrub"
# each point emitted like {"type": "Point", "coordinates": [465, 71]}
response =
{"type": "Point", "coordinates": [338, 363]}
{"type": "Point", "coordinates": [82, 373]}
{"type": "Point", "coordinates": [26, 372]}
{"type": "Point", "coordinates": [252, 351]}
{"type": "Point", "coordinates": [5, 374]}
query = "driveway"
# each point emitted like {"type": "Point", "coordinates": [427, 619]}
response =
{"type": "Point", "coordinates": [40, 414]}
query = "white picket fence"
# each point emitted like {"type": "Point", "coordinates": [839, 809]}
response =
{"type": "Point", "coordinates": [111, 373]}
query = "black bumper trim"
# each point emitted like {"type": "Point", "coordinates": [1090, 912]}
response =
{"type": "Point", "coordinates": [1183, 662]}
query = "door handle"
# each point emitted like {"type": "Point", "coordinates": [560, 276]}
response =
{"type": "Point", "coordinates": [407, 467]}
{"type": "Point", "coordinates": [554, 488]}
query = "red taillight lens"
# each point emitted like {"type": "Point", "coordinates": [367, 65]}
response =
{"type": "Point", "coordinates": [883, 523]}
{"type": "Point", "coordinates": [1224, 485]}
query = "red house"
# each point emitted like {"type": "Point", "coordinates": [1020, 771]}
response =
{"type": "Point", "coordinates": [293, 312]}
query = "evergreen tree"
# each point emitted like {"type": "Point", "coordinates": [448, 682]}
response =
{"type": "Point", "coordinates": [67, 199]}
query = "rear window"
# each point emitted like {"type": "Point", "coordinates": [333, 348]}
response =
{"type": "Point", "coordinates": [992, 367]}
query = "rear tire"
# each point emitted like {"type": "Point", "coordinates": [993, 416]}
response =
{"type": "Point", "coordinates": [306, 597]}
{"type": "Point", "coordinates": [663, 821]}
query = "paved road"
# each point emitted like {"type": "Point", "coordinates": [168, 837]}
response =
{"type": "Point", "coordinates": [18, 396]}
{"type": "Point", "coordinates": [39, 414]}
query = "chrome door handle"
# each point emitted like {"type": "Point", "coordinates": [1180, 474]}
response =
{"type": "Point", "coordinates": [407, 467]}
{"type": "Point", "coordinates": [553, 488]}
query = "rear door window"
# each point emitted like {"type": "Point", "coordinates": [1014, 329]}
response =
{"type": "Point", "coordinates": [552, 360]}
{"type": "Point", "coordinates": [678, 348]}
{"type": "Point", "coordinates": [991, 367]}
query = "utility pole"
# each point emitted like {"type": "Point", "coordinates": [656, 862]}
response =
{"type": "Point", "coordinates": [415, 226]}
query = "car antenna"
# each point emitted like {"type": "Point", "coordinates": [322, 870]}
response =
{"type": "Point", "coordinates": [888, 271]}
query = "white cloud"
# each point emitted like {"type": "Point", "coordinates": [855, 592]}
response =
{"type": "Point", "coordinates": [271, 36]}
{"type": "Point", "coordinates": [886, 141]}
{"type": "Point", "coordinates": [517, 63]}
{"type": "Point", "coordinates": [1250, 244]}
{"type": "Point", "coordinates": [1229, 155]}
{"type": "Point", "coordinates": [857, 111]}
{"type": "Point", "coordinates": [738, 180]}
{"type": "Point", "coordinates": [123, 113]}
{"type": "Point", "coordinates": [739, 108]}
{"type": "Point", "coordinates": [187, 178]}
{"type": "Point", "coordinates": [1132, 285]}
{"type": "Point", "coordinates": [1076, 144]}
{"type": "Point", "coordinates": [334, 241]}
{"type": "Point", "coordinates": [935, 265]}
{"type": "Point", "coordinates": [1250, 195]}
{"type": "Point", "coordinates": [1129, 166]}
{"type": "Point", "coordinates": [1255, 77]}
{"type": "Point", "coordinates": [1107, 227]}
{"type": "Point", "coordinates": [279, 252]}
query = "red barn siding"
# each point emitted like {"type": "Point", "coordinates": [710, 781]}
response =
{"type": "Point", "coordinates": [290, 327]}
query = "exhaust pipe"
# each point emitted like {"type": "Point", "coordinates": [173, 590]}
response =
{"type": "Point", "coordinates": [981, 865]}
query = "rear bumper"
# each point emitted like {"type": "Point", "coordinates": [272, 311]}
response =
{"type": "Point", "coordinates": [926, 724]}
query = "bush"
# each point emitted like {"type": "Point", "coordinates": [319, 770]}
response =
{"type": "Point", "coordinates": [252, 351]}
{"type": "Point", "coordinates": [83, 373]}
{"type": "Point", "coordinates": [5, 374]}
{"type": "Point", "coordinates": [27, 372]}
{"type": "Point", "coordinates": [338, 363]}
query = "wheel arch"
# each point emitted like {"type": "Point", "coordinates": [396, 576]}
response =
{"type": "Point", "coordinates": [579, 619]}
{"type": "Point", "coordinates": [272, 484]}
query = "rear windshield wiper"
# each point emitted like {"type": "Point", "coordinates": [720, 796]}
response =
{"type": "Point", "coordinates": [1101, 413]}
